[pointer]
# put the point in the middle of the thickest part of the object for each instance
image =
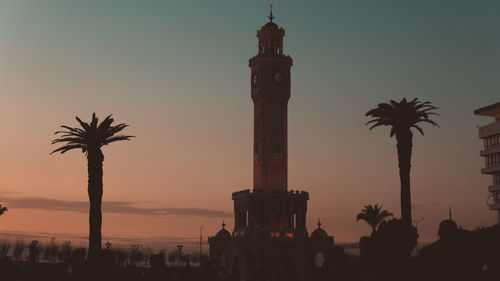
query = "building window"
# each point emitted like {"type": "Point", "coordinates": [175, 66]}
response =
{"type": "Point", "coordinates": [496, 178]}
{"type": "Point", "coordinates": [277, 151]}
{"type": "Point", "coordinates": [492, 159]}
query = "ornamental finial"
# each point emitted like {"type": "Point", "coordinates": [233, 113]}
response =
{"type": "Point", "coordinates": [223, 224]}
{"type": "Point", "coordinates": [271, 17]}
{"type": "Point", "coordinates": [319, 223]}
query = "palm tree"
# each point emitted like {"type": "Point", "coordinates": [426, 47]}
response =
{"type": "Point", "coordinates": [3, 209]}
{"type": "Point", "coordinates": [373, 215]}
{"type": "Point", "coordinates": [90, 138]}
{"type": "Point", "coordinates": [401, 117]}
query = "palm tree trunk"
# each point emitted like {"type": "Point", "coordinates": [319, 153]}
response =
{"type": "Point", "coordinates": [404, 144]}
{"type": "Point", "coordinates": [94, 165]}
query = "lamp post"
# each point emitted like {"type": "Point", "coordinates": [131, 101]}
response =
{"type": "Point", "coordinates": [201, 237]}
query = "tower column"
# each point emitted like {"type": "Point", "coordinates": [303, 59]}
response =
{"type": "Point", "coordinates": [270, 79]}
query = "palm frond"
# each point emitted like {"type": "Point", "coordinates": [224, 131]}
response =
{"type": "Point", "coordinates": [95, 120]}
{"type": "Point", "coordinates": [68, 147]}
{"type": "Point", "coordinates": [385, 214]}
{"type": "Point", "coordinates": [84, 125]}
{"type": "Point", "coordinates": [116, 138]}
{"type": "Point", "coordinates": [419, 129]}
{"type": "Point", "coordinates": [114, 129]}
{"type": "Point", "coordinates": [106, 123]}
{"type": "Point", "coordinates": [69, 140]}
{"type": "Point", "coordinates": [361, 216]}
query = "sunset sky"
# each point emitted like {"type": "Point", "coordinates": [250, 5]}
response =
{"type": "Point", "coordinates": [177, 72]}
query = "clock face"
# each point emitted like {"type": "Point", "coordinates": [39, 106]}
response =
{"type": "Point", "coordinates": [254, 80]}
{"type": "Point", "coordinates": [278, 77]}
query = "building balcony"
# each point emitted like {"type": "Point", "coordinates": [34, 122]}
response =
{"type": "Point", "coordinates": [491, 169]}
{"type": "Point", "coordinates": [490, 150]}
{"type": "Point", "coordinates": [494, 188]}
{"type": "Point", "coordinates": [489, 130]}
{"type": "Point", "coordinates": [495, 206]}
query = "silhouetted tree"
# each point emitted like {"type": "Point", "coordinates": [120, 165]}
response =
{"type": "Point", "coordinates": [396, 238]}
{"type": "Point", "coordinates": [391, 244]}
{"type": "Point", "coordinates": [136, 254]}
{"type": "Point", "coordinates": [5, 245]}
{"type": "Point", "coordinates": [373, 215]}
{"type": "Point", "coordinates": [185, 259]}
{"type": "Point", "coordinates": [34, 251]}
{"type": "Point", "coordinates": [3, 209]}
{"type": "Point", "coordinates": [19, 247]}
{"type": "Point", "coordinates": [50, 251]}
{"type": "Point", "coordinates": [195, 258]}
{"type": "Point", "coordinates": [121, 256]}
{"type": "Point", "coordinates": [401, 117]}
{"type": "Point", "coordinates": [90, 139]}
{"type": "Point", "coordinates": [65, 251]}
{"type": "Point", "coordinates": [172, 257]}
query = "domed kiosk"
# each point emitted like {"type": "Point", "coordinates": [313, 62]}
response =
{"type": "Point", "coordinates": [223, 234]}
{"type": "Point", "coordinates": [319, 234]}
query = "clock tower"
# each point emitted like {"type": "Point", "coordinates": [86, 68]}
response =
{"type": "Point", "coordinates": [270, 237]}
{"type": "Point", "coordinates": [270, 88]}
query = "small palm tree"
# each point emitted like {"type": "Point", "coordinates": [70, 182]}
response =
{"type": "Point", "coordinates": [3, 209]}
{"type": "Point", "coordinates": [373, 215]}
{"type": "Point", "coordinates": [90, 138]}
{"type": "Point", "coordinates": [401, 117]}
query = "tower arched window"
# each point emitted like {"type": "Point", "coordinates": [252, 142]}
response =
{"type": "Point", "coordinates": [277, 151]}
{"type": "Point", "coordinates": [276, 147]}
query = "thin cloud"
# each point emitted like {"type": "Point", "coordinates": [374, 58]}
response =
{"type": "Point", "coordinates": [9, 192]}
{"type": "Point", "coordinates": [121, 207]}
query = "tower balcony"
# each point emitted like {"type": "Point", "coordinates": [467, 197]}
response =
{"type": "Point", "coordinates": [491, 169]}
{"type": "Point", "coordinates": [489, 130]}
{"type": "Point", "coordinates": [271, 194]}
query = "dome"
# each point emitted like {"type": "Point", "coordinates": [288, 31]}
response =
{"type": "Point", "coordinates": [270, 26]}
{"type": "Point", "coordinates": [319, 233]}
{"type": "Point", "coordinates": [223, 234]}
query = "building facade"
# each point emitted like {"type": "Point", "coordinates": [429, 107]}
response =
{"type": "Point", "coordinates": [491, 136]}
{"type": "Point", "coordinates": [270, 240]}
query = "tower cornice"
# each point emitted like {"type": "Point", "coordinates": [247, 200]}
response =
{"type": "Point", "coordinates": [270, 59]}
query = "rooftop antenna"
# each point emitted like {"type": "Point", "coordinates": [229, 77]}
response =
{"type": "Point", "coordinates": [271, 17]}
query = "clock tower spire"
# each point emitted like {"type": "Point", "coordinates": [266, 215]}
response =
{"type": "Point", "coordinates": [271, 17]}
{"type": "Point", "coordinates": [270, 88]}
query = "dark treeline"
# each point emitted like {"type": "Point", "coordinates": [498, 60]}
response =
{"type": "Point", "coordinates": [384, 255]}
{"type": "Point", "coordinates": [62, 261]}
